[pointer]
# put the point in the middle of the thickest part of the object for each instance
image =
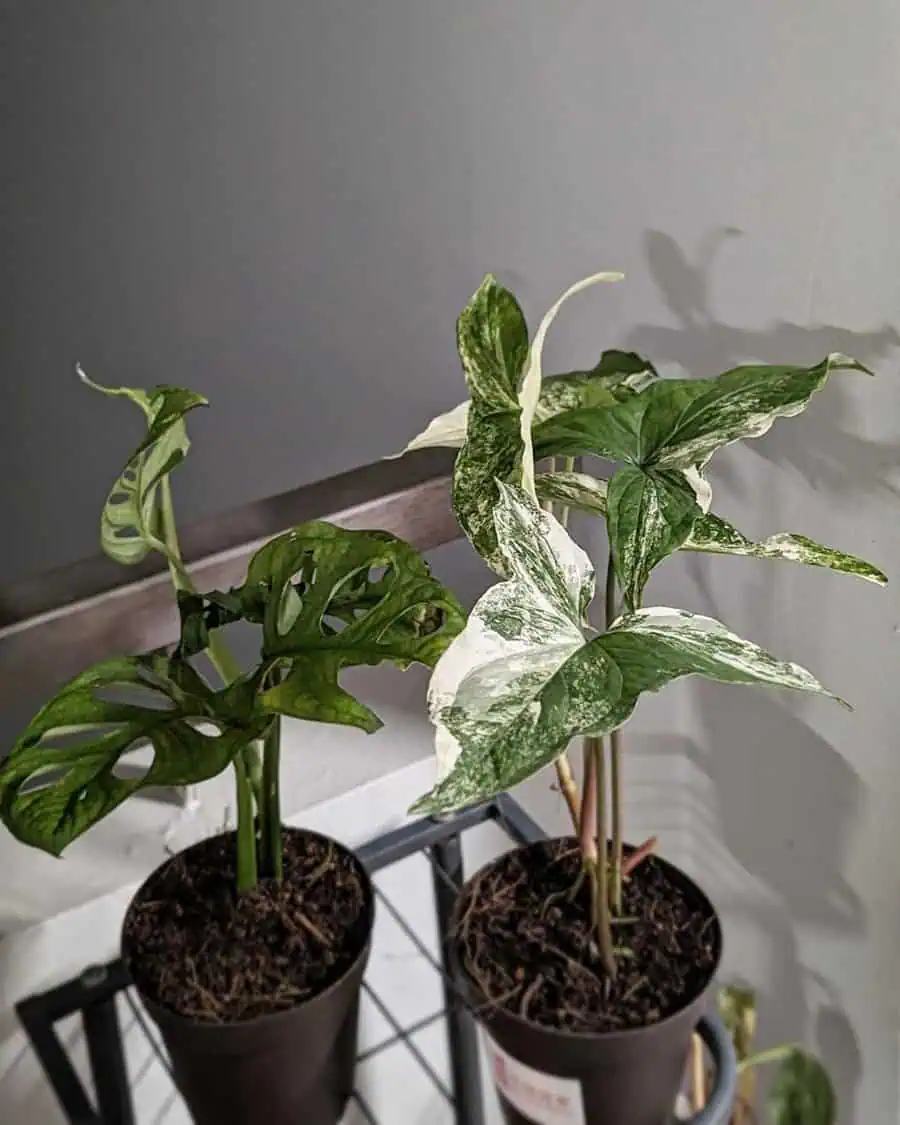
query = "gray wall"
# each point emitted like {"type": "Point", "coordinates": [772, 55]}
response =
{"type": "Point", "coordinates": [284, 205]}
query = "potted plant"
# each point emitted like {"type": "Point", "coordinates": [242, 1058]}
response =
{"type": "Point", "coordinates": [248, 949]}
{"type": "Point", "coordinates": [588, 960]}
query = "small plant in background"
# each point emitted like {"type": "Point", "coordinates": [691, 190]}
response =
{"type": "Point", "coordinates": [801, 1093]}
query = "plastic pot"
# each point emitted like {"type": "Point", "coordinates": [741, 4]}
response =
{"type": "Point", "coordinates": [545, 1076]}
{"type": "Point", "coordinates": [282, 1069]}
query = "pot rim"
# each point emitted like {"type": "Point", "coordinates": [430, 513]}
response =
{"type": "Point", "coordinates": [271, 1019]}
{"type": "Point", "coordinates": [489, 1012]}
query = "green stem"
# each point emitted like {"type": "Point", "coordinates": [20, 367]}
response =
{"type": "Point", "coordinates": [600, 869]}
{"type": "Point", "coordinates": [615, 759]}
{"type": "Point", "coordinates": [247, 763]}
{"type": "Point", "coordinates": [773, 1054]}
{"type": "Point", "coordinates": [247, 873]}
{"type": "Point", "coordinates": [271, 850]}
{"type": "Point", "coordinates": [568, 467]}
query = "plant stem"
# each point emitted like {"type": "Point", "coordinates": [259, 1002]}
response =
{"type": "Point", "coordinates": [593, 842]}
{"type": "Point", "coordinates": [568, 466]}
{"type": "Point", "coordinates": [568, 788]}
{"type": "Point", "coordinates": [247, 873]}
{"type": "Point", "coordinates": [615, 759]}
{"type": "Point", "coordinates": [247, 763]}
{"type": "Point", "coordinates": [271, 852]}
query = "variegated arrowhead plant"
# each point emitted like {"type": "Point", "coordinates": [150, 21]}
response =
{"type": "Point", "coordinates": [527, 674]}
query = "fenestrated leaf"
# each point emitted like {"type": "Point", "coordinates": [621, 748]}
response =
{"type": "Point", "coordinates": [533, 378]}
{"type": "Point", "coordinates": [680, 423]}
{"type": "Point", "coordinates": [328, 599]}
{"type": "Point", "coordinates": [594, 692]}
{"type": "Point", "coordinates": [519, 633]}
{"type": "Point", "coordinates": [492, 338]}
{"type": "Point", "coordinates": [78, 738]}
{"type": "Point", "coordinates": [650, 515]}
{"type": "Point", "coordinates": [710, 533]}
{"type": "Point", "coordinates": [129, 523]}
{"type": "Point", "coordinates": [802, 1093]}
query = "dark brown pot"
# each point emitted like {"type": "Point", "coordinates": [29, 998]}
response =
{"type": "Point", "coordinates": [609, 1078]}
{"type": "Point", "coordinates": [290, 1068]}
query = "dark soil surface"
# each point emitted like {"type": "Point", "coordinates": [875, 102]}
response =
{"type": "Point", "coordinates": [530, 948]}
{"type": "Point", "coordinates": [196, 947]}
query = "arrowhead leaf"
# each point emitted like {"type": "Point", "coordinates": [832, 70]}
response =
{"type": "Point", "coordinates": [680, 423]}
{"type": "Point", "coordinates": [128, 525]}
{"type": "Point", "coordinates": [521, 681]}
{"type": "Point", "coordinates": [710, 533]}
{"type": "Point", "coordinates": [650, 515]}
{"type": "Point", "coordinates": [81, 734]}
{"type": "Point", "coordinates": [328, 599]}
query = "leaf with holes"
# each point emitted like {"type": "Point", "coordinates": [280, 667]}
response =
{"type": "Point", "coordinates": [802, 1093]}
{"type": "Point", "coordinates": [650, 515]}
{"type": "Point", "coordinates": [710, 533]}
{"type": "Point", "coordinates": [328, 599]}
{"type": "Point", "coordinates": [680, 423]}
{"type": "Point", "coordinates": [129, 523]}
{"type": "Point", "coordinates": [76, 741]}
{"type": "Point", "coordinates": [594, 691]}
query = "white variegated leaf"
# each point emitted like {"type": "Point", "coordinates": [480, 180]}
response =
{"type": "Point", "coordinates": [446, 431]}
{"type": "Point", "coordinates": [594, 692]}
{"type": "Point", "coordinates": [520, 631]}
{"type": "Point", "coordinates": [710, 534]}
{"type": "Point", "coordinates": [531, 383]}
{"type": "Point", "coordinates": [715, 536]}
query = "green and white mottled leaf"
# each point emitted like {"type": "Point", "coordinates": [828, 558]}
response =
{"type": "Point", "coordinates": [802, 1093]}
{"type": "Point", "coordinates": [519, 633]}
{"type": "Point", "coordinates": [617, 376]}
{"type": "Point", "coordinates": [492, 338]}
{"type": "Point", "coordinates": [680, 423]}
{"type": "Point", "coordinates": [533, 378]}
{"type": "Point", "coordinates": [650, 515]}
{"type": "Point", "coordinates": [579, 491]}
{"type": "Point", "coordinates": [129, 523]}
{"type": "Point", "coordinates": [329, 599]}
{"type": "Point", "coordinates": [510, 715]}
{"type": "Point", "coordinates": [716, 536]}
{"type": "Point", "coordinates": [76, 740]}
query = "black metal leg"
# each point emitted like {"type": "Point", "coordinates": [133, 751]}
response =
{"type": "Point", "coordinates": [462, 1035]}
{"type": "Point", "coordinates": [104, 1042]}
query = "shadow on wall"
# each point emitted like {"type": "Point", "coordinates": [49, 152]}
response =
{"type": "Point", "coordinates": [827, 453]}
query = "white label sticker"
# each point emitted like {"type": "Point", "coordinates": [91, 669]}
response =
{"type": "Point", "coordinates": [544, 1099]}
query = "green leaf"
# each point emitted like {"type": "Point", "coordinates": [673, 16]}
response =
{"type": "Point", "coordinates": [802, 1093]}
{"type": "Point", "coordinates": [492, 338]}
{"type": "Point", "coordinates": [716, 536]}
{"type": "Point", "coordinates": [737, 1008]}
{"type": "Point", "coordinates": [129, 523]}
{"type": "Point", "coordinates": [680, 423]}
{"type": "Point", "coordinates": [519, 633]}
{"type": "Point", "coordinates": [650, 515]}
{"type": "Point", "coordinates": [710, 533]}
{"type": "Point", "coordinates": [521, 681]}
{"type": "Point", "coordinates": [328, 599]}
{"type": "Point", "coordinates": [593, 692]}
{"type": "Point", "coordinates": [78, 738]}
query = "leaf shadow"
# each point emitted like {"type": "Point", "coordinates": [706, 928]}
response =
{"type": "Point", "coordinates": [824, 451]}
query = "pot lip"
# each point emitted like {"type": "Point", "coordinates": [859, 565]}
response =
{"type": "Point", "coordinates": [272, 1019]}
{"type": "Point", "coordinates": [623, 1034]}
